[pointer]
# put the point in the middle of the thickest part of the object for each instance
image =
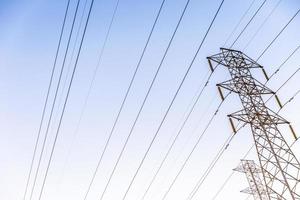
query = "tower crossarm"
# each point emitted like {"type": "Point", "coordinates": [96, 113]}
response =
{"type": "Point", "coordinates": [256, 186]}
{"type": "Point", "coordinates": [279, 165]}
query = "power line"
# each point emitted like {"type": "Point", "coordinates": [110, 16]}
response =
{"type": "Point", "coordinates": [217, 108]}
{"type": "Point", "coordinates": [240, 21]}
{"type": "Point", "coordinates": [284, 62]}
{"type": "Point", "coordinates": [230, 176]}
{"type": "Point", "coordinates": [99, 63]}
{"type": "Point", "coordinates": [222, 150]}
{"type": "Point", "coordinates": [218, 157]}
{"type": "Point", "coordinates": [233, 44]}
{"type": "Point", "coordinates": [280, 32]}
{"type": "Point", "coordinates": [261, 26]}
{"type": "Point", "coordinates": [215, 113]}
{"type": "Point", "coordinates": [66, 99]}
{"type": "Point", "coordinates": [54, 101]}
{"type": "Point", "coordinates": [124, 99]}
{"type": "Point", "coordinates": [193, 149]}
{"type": "Point", "coordinates": [64, 87]}
{"type": "Point", "coordinates": [280, 66]}
{"type": "Point", "coordinates": [284, 83]}
{"type": "Point", "coordinates": [211, 166]}
{"type": "Point", "coordinates": [145, 99]}
{"type": "Point", "coordinates": [96, 70]}
{"type": "Point", "coordinates": [245, 124]}
{"type": "Point", "coordinates": [233, 172]}
{"type": "Point", "coordinates": [72, 54]}
{"type": "Point", "coordinates": [173, 100]}
{"type": "Point", "coordinates": [291, 99]}
{"type": "Point", "coordinates": [223, 185]}
{"type": "Point", "coordinates": [202, 179]}
{"type": "Point", "coordinates": [46, 100]}
{"type": "Point", "coordinates": [203, 115]}
{"type": "Point", "coordinates": [177, 135]}
{"type": "Point", "coordinates": [256, 12]}
{"type": "Point", "coordinates": [215, 160]}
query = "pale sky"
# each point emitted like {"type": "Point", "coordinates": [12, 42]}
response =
{"type": "Point", "coordinates": [28, 41]}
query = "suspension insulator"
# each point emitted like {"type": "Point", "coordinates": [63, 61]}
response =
{"type": "Point", "coordinates": [210, 66]}
{"type": "Point", "coordinates": [265, 73]}
{"type": "Point", "coordinates": [293, 132]}
{"type": "Point", "coordinates": [278, 101]}
{"type": "Point", "coordinates": [232, 125]}
{"type": "Point", "coordinates": [221, 93]}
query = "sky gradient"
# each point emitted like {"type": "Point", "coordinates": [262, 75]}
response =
{"type": "Point", "coordinates": [29, 36]}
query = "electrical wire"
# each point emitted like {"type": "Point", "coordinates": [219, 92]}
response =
{"type": "Point", "coordinates": [189, 112]}
{"type": "Point", "coordinates": [200, 182]}
{"type": "Point", "coordinates": [207, 171]}
{"type": "Point", "coordinates": [66, 100]}
{"type": "Point", "coordinates": [262, 24]}
{"type": "Point", "coordinates": [46, 100]}
{"type": "Point", "coordinates": [227, 180]}
{"type": "Point", "coordinates": [64, 88]}
{"type": "Point", "coordinates": [95, 71]}
{"type": "Point", "coordinates": [239, 23]}
{"type": "Point", "coordinates": [194, 147]}
{"type": "Point", "coordinates": [145, 99]}
{"type": "Point", "coordinates": [283, 84]}
{"type": "Point", "coordinates": [203, 116]}
{"type": "Point", "coordinates": [233, 172]}
{"type": "Point", "coordinates": [249, 22]}
{"type": "Point", "coordinates": [74, 48]}
{"type": "Point", "coordinates": [125, 98]}
{"type": "Point", "coordinates": [278, 69]}
{"type": "Point", "coordinates": [214, 162]}
{"type": "Point", "coordinates": [98, 65]}
{"type": "Point", "coordinates": [290, 100]}
{"type": "Point", "coordinates": [223, 185]}
{"type": "Point", "coordinates": [54, 101]}
{"type": "Point", "coordinates": [231, 46]}
{"type": "Point", "coordinates": [280, 32]}
{"type": "Point", "coordinates": [284, 62]}
{"type": "Point", "coordinates": [174, 98]}
{"type": "Point", "coordinates": [230, 176]}
{"type": "Point", "coordinates": [72, 55]}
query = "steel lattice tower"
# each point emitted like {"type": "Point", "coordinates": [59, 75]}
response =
{"type": "Point", "coordinates": [253, 172]}
{"type": "Point", "coordinates": [280, 167]}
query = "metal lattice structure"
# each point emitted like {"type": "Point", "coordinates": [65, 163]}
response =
{"type": "Point", "coordinates": [253, 173]}
{"type": "Point", "coordinates": [279, 165]}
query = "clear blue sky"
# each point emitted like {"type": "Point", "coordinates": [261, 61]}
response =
{"type": "Point", "coordinates": [28, 40]}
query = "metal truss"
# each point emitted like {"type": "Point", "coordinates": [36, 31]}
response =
{"type": "Point", "coordinates": [279, 165]}
{"type": "Point", "coordinates": [253, 173]}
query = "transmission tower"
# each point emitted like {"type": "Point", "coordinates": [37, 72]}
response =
{"type": "Point", "coordinates": [279, 166]}
{"type": "Point", "coordinates": [256, 186]}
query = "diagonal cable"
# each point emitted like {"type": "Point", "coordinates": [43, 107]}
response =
{"type": "Point", "coordinates": [239, 22]}
{"type": "Point", "coordinates": [124, 100]}
{"type": "Point", "coordinates": [280, 32]}
{"type": "Point", "coordinates": [54, 102]}
{"type": "Point", "coordinates": [66, 100]}
{"type": "Point", "coordinates": [46, 101]}
{"type": "Point", "coordinates": [193, 149]}
{"type": "Point", "coordinates": [174, 98]}
{"type": "Point", "coordinates": [144, 101]}
{"type": "Point", "coordinates": [262, 24]}
{"type": "Point", "coordinates": [249, 22]}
